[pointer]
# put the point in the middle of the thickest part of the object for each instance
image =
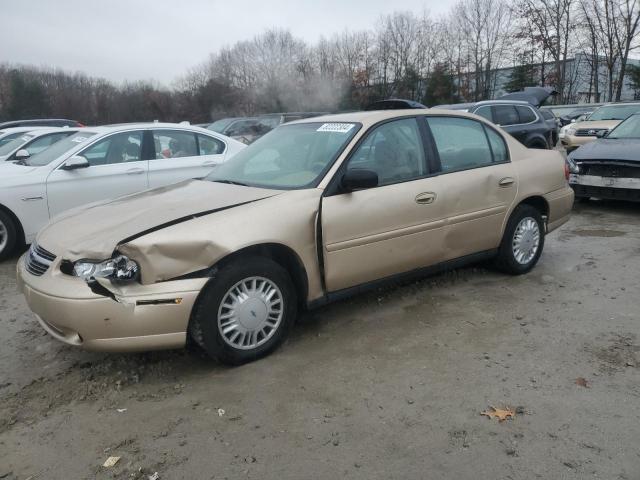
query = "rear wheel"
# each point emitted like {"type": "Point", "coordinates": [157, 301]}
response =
{"type": "Point", "coordinates": [245, 312]}
{"type": "Point", "coordinates": [522, 242]}
{"type": "Point", "coordinates": [8, 235]}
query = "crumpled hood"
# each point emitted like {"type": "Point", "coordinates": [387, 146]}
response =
{"type": "Point", "coordinates": [94, 231]}
{"type": "Point", "coordinates": [627, 150]}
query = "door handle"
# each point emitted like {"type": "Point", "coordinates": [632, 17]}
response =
{"type": "Point", "coordinates": [135, 171]}
{"type": "Point", "coordinates": [506, 182]}
{"type": "Point", "coordinates": [425, 198]}
{"type": "Point", "coordinates": [208, 164]}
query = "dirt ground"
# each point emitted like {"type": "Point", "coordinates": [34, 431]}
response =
{"type": "Point", "coordinates": [386, 385]}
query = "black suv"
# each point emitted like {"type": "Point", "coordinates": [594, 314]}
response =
{"type": "Point", "coordinates": [518, 118]}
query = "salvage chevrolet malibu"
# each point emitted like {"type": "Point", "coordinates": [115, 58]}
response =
{"type": "Point", "coordinates": [315, 210]}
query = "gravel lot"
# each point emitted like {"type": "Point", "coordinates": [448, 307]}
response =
{"type": "Point", "coordinates": [386, 385]}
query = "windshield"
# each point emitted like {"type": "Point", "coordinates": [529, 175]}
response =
{"type": "Point", "coordinates": [7, 138]}
{"type": "Point", "coordinates": [289, 157]}
{"type": "Point", "coordinates": [16, 143]}
{"type": "Point", "coordinates": [50, 154]}
{"type": "Point", "coordinates": [614, 112]}
{"type": "Point", "coordinates": [220, 125]}
{"type": "Point", "coordinates": [630, 128]}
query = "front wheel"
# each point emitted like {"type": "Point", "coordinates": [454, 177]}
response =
{"type": "Point", "coordinates": [522, 242]}
{"type": "Point", "coordinates": [8, 235]}
{"type": "Point", "coordinates": [245, 312]}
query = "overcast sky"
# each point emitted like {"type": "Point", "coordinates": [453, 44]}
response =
{"type": "Point", "coordinates": [160, 39]}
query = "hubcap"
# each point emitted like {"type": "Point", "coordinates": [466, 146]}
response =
{"type": "Point", "coordinates": [250, 313]}
{"type": "Point", "coordinates": [4, 236]}
{"type": "Point", "coordinates": [526, 240]}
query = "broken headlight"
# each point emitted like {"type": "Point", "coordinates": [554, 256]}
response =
{"type": "Point", "coordinates": [116, 268]}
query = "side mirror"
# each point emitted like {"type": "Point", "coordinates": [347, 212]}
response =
{"type": "Point", "coordinates": [75, 162]}
{"type": "Point", "coordinates": [359, 179]}
{"type": "Point", "coordinates": [602, 133]}
{"type": "Point", "coordinates": [22, 154]}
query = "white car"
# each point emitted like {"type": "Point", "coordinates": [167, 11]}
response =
{"type": "Point", "coordinates": [9, 134]}
{"type": "Point", "coordinates": [100, 163]}
{"type": "Point", "coordinates": [29, 143]}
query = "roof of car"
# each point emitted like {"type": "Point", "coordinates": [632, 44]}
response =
{"type": "Point", "coordinates": [28, 129]}
{"type": "Point", "coordinates": [368, 118]}
{"type": "Point", "coordinates": [129, 126]}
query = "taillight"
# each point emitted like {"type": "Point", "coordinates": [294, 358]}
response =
{"type": "Point", "coordinates": [567, 172]}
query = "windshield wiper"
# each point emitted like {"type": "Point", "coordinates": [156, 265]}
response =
{"type": "Point", "coordinates": [231, 182]}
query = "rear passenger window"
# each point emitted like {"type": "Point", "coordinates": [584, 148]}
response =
{"type": "Point", "coordinates": [505, 115]}
{"type": "Point", "coordinates": [174, 144]}
{"type": "Point", "coordinates": [209, 145]}
{"type": "Point", "coordinates": [526, 114]}
{"type": "Point", "coordinates": [462, 143]}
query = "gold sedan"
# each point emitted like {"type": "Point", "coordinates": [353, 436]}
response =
{"type": "Point", "coordinates": [314, 211]}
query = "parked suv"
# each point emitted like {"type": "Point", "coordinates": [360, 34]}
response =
{"type": "Point", "coordinates": [518, 118]}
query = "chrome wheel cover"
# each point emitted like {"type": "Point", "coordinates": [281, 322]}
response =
{"type": "Point", "coordinates": [526, 241]}
{"type": "Point", "coordinates": [250, 313]}
{"type": "Point", "coordinates": [4, 236]}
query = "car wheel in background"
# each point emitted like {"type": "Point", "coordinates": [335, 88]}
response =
{"type": "Point", "coordinates": [8, 235]}
{"type": "Point", "coordinates": [522, 242]}
{"type": "Point", "coordinates": [538, 144]}
{"type": "Point", "coordinates": [245, 311]}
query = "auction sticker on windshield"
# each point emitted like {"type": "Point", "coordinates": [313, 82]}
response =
{"type": "Point", "coordinates": [336, 127]}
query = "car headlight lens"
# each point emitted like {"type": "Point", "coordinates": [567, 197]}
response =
{"type": "Point", "coordinates": [571, 131]}
{"type": "Point", "coordinates": [573, 167]}
{"type": "Point", "coordinates": [117, 268]}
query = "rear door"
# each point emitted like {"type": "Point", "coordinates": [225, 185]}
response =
{"type": "Point", "coordinates": [181, 155]}
{"type": "Point", "coordinates": [477, 183]}
{"type": "Point", "coordinates": [395, 227]}
{"type": "Point", "coordinates": [117, 168]}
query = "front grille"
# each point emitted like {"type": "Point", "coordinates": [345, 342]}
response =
{"type": "Point", "coordinates": [609, 170]}
{"type": "Point", "coordinates": [590, 132]}
{"type": "Point", "coordinates": [38, 260]}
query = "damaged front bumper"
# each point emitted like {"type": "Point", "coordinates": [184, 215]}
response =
{"type": "Point", "coordinates": [609, 188]}
{"type": "Point", "coordinates": [135, 318]}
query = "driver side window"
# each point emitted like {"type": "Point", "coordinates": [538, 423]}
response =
{"type": "Point", "coordinates": [118, 148]}
{"type": "Point", "coordinates": [394, 151]}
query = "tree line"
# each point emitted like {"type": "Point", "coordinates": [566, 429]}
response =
{"type": "Point", "coordinates": [432, 59]}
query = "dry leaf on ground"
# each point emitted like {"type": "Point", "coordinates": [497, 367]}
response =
{"type": "Point", "coordinates": [582, 382]}
{"type": "Point", "coordinates": [110, 462]}
{"type": "Point", "coordinates": [499, 413]}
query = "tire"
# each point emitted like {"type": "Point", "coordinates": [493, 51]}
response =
{"type": "Point", "coordinates": [538, 145]}
{"type": "Point", "coordinates": [8, 235]}
{"type": "Point", "coordinates": [518, 261]}
{"type": "Point", "coordinates": [218, 315]}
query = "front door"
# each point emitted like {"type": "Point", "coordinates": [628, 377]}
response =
{"type": "Point", "coordinates": [395, 227]}
{"type": "Point", "coordinates": [116, 168]}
